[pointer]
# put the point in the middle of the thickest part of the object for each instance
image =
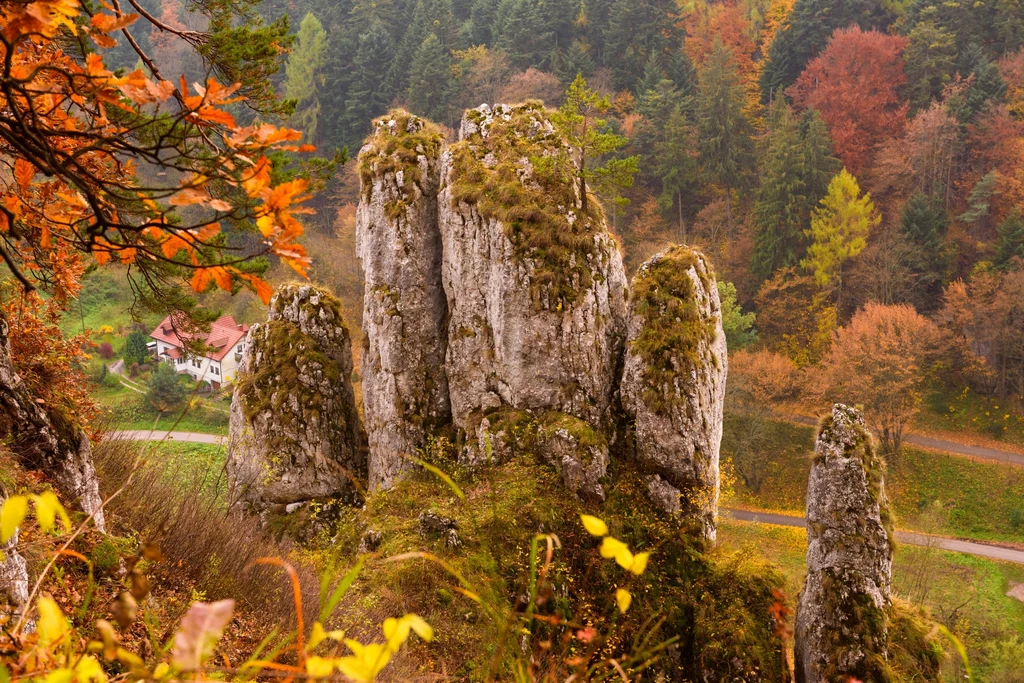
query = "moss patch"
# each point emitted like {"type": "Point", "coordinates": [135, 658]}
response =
{"type": "Point", "coordinates": [396, 145]}
{"type": "Point", "coordinates": [518, 170]}
{"type": "Point", "coordinates": [716, 603]}
{"type": "Point", "coordinates": [673, 329]}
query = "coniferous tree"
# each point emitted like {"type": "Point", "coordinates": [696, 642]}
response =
{"type": "Point", "coordinates": [654, 73]}
{"type": "Point", "coordinates": [304, 77]}
{"type": "Point", "coordinates": [636, 29]}
{"type": "Point", "coordinates": [726, 142]}
{"type": "Point", "coordinates": [573, 61]}
{"type": "Point", "coordinates": [480, 26]}
{"type": "Point", "coordinates": [840, 226]}
{"type": "Point", "coordinates": [682, 73]}
{"type": "Point", "coordinates": [780, 211]}
{"type": "Point", "coordinates": [519, 31]}
{"type": "Point", "coordinates": [930, 59]}
{"type": "Point", "coordinates": [924, 224]}
{"type": "Point", "coordinates": [979, 203]}
{"type": "Point", "coordinates": [820, 164]}
{"type": "Point", "coordinates": [415, 33]}
{"type": "Point", "coordinates": [367, 95]}
{"type": "Point", "coordinates": [430, 80]}
{"type": "Point", "coordinates": [1010, 244]}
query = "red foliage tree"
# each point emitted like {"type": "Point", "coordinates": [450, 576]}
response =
{"type": "Point", "coordinates": [855, 84]}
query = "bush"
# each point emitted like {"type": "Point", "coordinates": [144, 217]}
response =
{"type": "Point", "coordinates": [135, 351]}
{"type": "Point", "coordinates": [106, 351]}
{"type": "Point", "coordinates": [166, 392]}
{"type": "Point", "coordinates": [111, 381]}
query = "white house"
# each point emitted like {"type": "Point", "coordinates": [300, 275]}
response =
{"type": "Point", "coordinates": [224, 344]}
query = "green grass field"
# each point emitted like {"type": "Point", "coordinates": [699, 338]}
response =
{"type": "Point", "coordinates": [124, 409]}
{"type": "Point", "coordinates": [966, 593]}
{"type": "Point", "coordinates": [929, 491]}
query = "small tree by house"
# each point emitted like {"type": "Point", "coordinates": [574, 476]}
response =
{"type": "Point", "coordinates": [135, 351]}
{"type": "Point", "coordinates": [166, 392]}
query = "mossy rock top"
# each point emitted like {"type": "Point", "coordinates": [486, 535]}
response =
{"type": "Point", "coordinates": [398, 141]}
{"type": "Point", "coordinates": [514, 166]}
{"type": "Point", "coordinates": [674, 327]}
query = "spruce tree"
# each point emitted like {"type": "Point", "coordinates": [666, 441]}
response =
{"type": "Point", "coordinates": [482, 16]}
{"type": "Point", "coordinates": [1010, 244]}
{"type": "Point", "coordinates": [430, 80]}
{"type": "Point", "coordinates": [654, 73]}
{"type": "Point", "coordinates": [636, 29]}
{"type": "Point", "coordinates": [367, 95]}
{"type": "Point", "coordinates": [304, 77]}
{"type": "Point", "coordinates": [726, 142]}
{"type": "Point", "coordinates": [574, 61]}
{"type": "Point", "coordinates": [682, 73]}
{"type": "Point", "coordinates": [820, 164]}
{"type": "Point", "coordinates": [924, 224]}
{"type": "Point", "coordinates": [415, 33]}
{"type": "Point", "coordinates": [930, 58]}
{"type": "Point", "coordinates": [780, 211]}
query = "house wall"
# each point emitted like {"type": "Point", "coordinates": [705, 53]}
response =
{"type": "Point", "coordinates": [207, 369]}
{"type": "Point", "coordinates": [229, 366]}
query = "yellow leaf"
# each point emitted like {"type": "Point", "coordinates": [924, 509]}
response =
{"type": "Point", "coordinates": [12, 514]}
{"type": "Point", "coordinates": [623, 599]}
{"type": "Point", "coordinates": [319, 667]}
{"type": "Point", "coordinates": [610, 547]}
{"type": "Point", "coordinates": [52, 625]}
{"type": "Point", "coordinates": [88, 669]}
{"type": "Point", "coordinates": [60, 676]}
{"type": "Point", "coordinates": [318, 635]}
{"type": "Point", "coordinates": [420, 627]}
{"type": "Point", "coordinates": [639, 563]}
{"type": "Point", "coordinates": [624, 558]}
{"type": "Point", "coordinates": [366, 661]}
{"type": "Point", "coordinates": [161, 670]}
{"type": "Point", "coordinates": [594, 526]}
{"type": "Point", "coordinates": [47, 509]}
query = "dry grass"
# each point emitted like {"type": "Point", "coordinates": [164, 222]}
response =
{"type": "Point", "coordinates": [184, 510]}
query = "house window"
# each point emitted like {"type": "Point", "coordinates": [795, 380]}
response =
{"type": "Point", "coordinates": [215, 369]}
{"type": "Point", "coordinates": [197, 363]}
{"type": "Point", "coordinates": [180, 360]}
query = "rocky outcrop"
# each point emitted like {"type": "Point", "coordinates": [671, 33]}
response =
{"type": "Point", "coordinates": [842, 615]}
{"type": "Point", "coordinates": [535, 286]}
{"type": "Point", "coordinates": [13, 578]}
{"type": "Point", "coordinates": [673, 383]}
{"type": "Point", "coordinates": [46, 439]}
{"type": "Point", "coordinates": [295, 431]}
{"type": "Point", "coordinates": [405, 391]}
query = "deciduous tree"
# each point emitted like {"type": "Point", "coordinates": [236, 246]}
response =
{"type": "Point", "coordinates": [856, 84]}
{"type": "Point", "coordinates": [881, 360]}
{"type": "Point", "coordinates": [839, 231]}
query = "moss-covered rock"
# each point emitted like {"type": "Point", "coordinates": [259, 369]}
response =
{"type": "Point", "coordinates": [536, 290]}
{"type": "Point", "coordinates": [673, 383]}
{"type": "Point", "coordinates": [295, 433]}
{"type": "Point", "coordinates": [405, 390]}
{"type": "Point", "coordinates": [846, 623]}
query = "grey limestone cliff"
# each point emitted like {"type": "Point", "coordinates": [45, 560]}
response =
{"type": "Point", "coordinates": [404, 335]}
{"type": "Point", "coordinates": [13, 577]}
{"type": "Point", "coordinates": [844, 607]}
{"type": "Point", "coordinates": [673, 383]}
{"type": "Point", "coordinates": [295, 433]}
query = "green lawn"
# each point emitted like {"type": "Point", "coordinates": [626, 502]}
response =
{"type": "Point", "coordinates": [928, 491]}
{"type": "Point", "coordinates": [127, 409]}
{"type": "Point", "coordinates": [966, 593]}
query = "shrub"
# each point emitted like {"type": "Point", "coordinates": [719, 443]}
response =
{"type": "Point", "coordinates": [110, 380]}
{"type": "Point", "coordinates": [106, 351]}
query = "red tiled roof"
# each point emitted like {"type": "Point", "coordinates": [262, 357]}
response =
{"type": "Point", "coordinates": [223, 335]}
{"type": "Point", "coordinates": [173, 354]}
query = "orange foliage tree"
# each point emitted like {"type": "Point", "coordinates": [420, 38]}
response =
{"type": "Point", "coordinates": [881, 360]}
{"type": "Point", "coordinates": [856, 84]}
{"type": "Point", "coordinates": [130, 168]}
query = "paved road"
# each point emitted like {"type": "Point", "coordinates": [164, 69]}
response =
{"type": "Point", "coordinates": [941, 445]}
{"type": "Point", "coordinates": [980, 549]}
{"type": "Point", "coordinates": [160, 435]}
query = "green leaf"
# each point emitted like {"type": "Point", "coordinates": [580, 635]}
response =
{"type": "Point", "coordinates": [339, 591]}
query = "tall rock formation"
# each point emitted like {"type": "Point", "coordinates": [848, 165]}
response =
{"type": "Point", "coordinates": [405, 391]}
{"type": "Point", "coordinates": [295, 431]}
{"type": "Point", "coordinates": [535, 286]}
{"type": "Point", "coordinates": [843, 612]}
{"type": "Point", "coordinates": [46, 440]}
{"type": "Point", "coordinates": [673, 383]}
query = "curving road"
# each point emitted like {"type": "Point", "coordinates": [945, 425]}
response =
{"type": "Point", "coordinates": [992, 552]}
{"type": "Point", "coordinates": [980, 452]}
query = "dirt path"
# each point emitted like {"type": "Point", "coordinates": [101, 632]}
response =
{"type": "Point", "coordinates": [160, 435]}
{"type": "Point", "coordinates": [993, 552]}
